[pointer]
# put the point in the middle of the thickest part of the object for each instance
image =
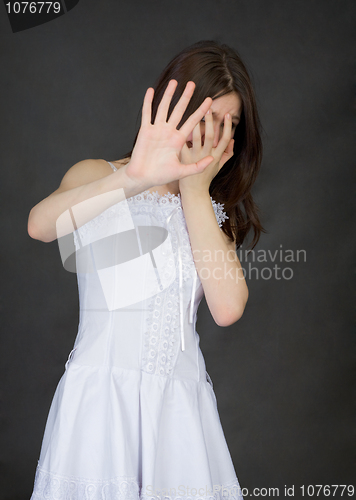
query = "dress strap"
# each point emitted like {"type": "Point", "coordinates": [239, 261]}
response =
{"type": "Point", "coordinates": [112, 166]}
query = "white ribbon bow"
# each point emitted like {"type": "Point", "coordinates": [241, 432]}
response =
{"type": "Point", "coordinates": [180, 265]}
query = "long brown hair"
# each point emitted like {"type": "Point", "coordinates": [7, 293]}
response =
{"type": "Point", "coordinates": [217, 69]}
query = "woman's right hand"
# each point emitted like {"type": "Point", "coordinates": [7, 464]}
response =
{"type": "Point", "coordinates": [155, 157]}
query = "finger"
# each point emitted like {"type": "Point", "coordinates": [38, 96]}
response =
{"type": "Point", "coordinates": [182, 104]}
{"type": "Point", "coordinates": [163, 107]}
{"type": "Point", "coordinates": [226, 137]}
{"type": "Point", "coordinates": [147, 107]}
{"type": "Point", "coordinates": [227, 154]}
{"type": "Point", "coordinates": [184, 152]}
{"type": "Point", "coordinates": [196, 138]}
{"type": "Point", "coordinates": [196, 168]}
{"type": "Point", "coordinates": [185, 149]}
{"type": "Point", "coordinates": [230, 147]}
{"type": "Point", "coordinates": [209, 132]}
{"type": "Point", "coordinates": [195, 118]}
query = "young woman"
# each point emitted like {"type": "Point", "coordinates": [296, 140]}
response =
{"type": "Point", "coordinates": [134, 415]}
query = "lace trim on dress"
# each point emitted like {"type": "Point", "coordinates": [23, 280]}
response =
{"type": "Point", "coordinates": [164, 199]}
{"type": "Point", "coordinates": [160, 350]}
{"type": "Point", "coordinates": [161, 199]}
{"type": "Point", "coordinates": [50, 486]}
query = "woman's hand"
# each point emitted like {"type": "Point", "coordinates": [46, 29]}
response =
{"type": "Point", "coordinates": [155, 159]}
{"type": "Point", "coordinates": [223, 152]}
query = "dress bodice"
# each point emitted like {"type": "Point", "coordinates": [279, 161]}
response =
{"type": "Point", "coordinates": [148, 275]}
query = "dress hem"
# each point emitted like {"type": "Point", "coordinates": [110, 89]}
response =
{"type": "Point", "coordinates": [51, 486]}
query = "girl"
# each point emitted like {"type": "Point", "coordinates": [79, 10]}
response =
{"type": "Point", "coordinates": [134, 415]}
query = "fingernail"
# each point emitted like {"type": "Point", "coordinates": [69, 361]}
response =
{"type": "Point", "coordinates": [228, 115]}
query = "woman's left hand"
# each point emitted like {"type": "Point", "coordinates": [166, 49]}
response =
{"type": "Point", "coordinates": [221, 154]}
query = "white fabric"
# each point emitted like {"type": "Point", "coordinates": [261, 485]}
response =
{"type": "Point", "coordinates": [134, 416]}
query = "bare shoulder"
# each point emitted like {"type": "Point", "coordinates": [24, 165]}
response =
{"type": "Point", "coordinates": [86, 171]}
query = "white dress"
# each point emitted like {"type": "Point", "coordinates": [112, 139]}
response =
{"type": "Point", "coordinates": [134, 415]}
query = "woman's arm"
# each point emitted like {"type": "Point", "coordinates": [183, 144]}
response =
{"type": "Point", "coordinates": [154, 161]}
{"type": "Point", "coordinates": [215, 258]}
{"type": "Point", "coordinates": [216, 261]}
{"type": "Point", "coordinates": [85, 181]}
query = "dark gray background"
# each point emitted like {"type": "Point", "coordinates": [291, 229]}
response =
{"type": "Point", "coordinates": [72, 89]}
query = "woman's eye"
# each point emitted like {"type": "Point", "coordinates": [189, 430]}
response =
{"type": "Point", "coordinates": [234, 125]}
